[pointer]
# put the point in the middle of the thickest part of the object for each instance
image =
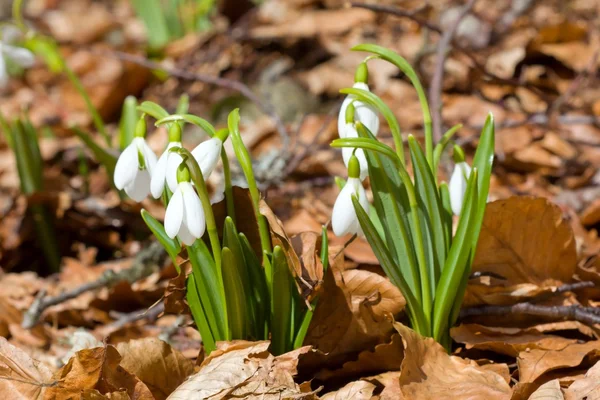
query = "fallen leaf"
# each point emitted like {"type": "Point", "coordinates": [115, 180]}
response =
{"type": "Point", "coordinates": [22, 377]}
{"type": "Point", "coordinates": [586, 388]}
{"type": "Point", "coordinates": [526, 240]}
{"type": "Point", "coordinates": [428, 372]}
{"type": "Point", "coordinates": [155, 363]}
{"type": "Point", "coordinates": [359, 390]}
{"type": "Point", "coordinates": [548, 391]}
{"type": "Point", "coordinates": [391, 385]}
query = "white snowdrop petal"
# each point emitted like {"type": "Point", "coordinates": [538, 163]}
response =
{"type": "Point", "coordinates": [126, 167]}
{"type": "Point", "coordinates": [174, 214]}
{"type": "Point", "coordinates": [139, 187]}
{"type": "Point", "coordinates": [173, 164]}
{"type": "Point", "coordinates": [185, 236]}
{"type": "Point", "coordinates": [343, 215]}
{"type": "Point", "coordinates": [342, 116]}
{"type": "Point", "coordinates": [194, 215]}
{"type": "Point", "coordinates": [149, 156]}
{"type": "Point", "coordinates": [19, 55]}
{"type": "Point", "coordinates": [157, 183]}
{"type": "Point", "coordinates": [458, 186]}
{"type": "Point", "coordinates": [367, 115]}
{"type": "Point", "coordinates": [207, 155]}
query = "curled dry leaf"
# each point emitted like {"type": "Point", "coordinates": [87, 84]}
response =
{"type": "Point", "coordinates": [526, 240]}
{"type": "Point", "coordinates": [241, 369]}
{"type": "Point", "coordinates": [97, 369]}
{"type": "Point", "coordinates": [359, 390]}
{"type": "Point", "coordinates": [588, 386]}
{"type": "Point", "coordinates": [428, 372]}
{"type": "Point", "coordinates": [508, 341]}
{"type": "Point", "coordinates": [22, 377]}
{"type": "Point", "coordinates": [548, 391]}
{"type": "Point", "coordinates": [390, 381]}
{"type": "Point", "coordinates": [156, 364]}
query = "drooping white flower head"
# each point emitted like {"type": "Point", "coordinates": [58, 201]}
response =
{"type": "Point", "coordinates": [208, 152]}
{"type": "Point", "coordinates": [458, 181]}
{"type": "Point", "coordinates": [365, 113]}
{"type": "Point", "coordinates": [185, 217]}
{"type": "Point", "coordinates": [343, 218]}
{"type": "Point", "coordinates": [347, 152]}
{"type": "Point", "coordinates": [135, 165]}
{"type": "Point", "coordinates": [18, 55]}
{"type": "Point", "coordinates": [166, 167]}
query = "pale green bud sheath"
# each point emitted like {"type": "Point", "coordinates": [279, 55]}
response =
{"type": "Point", "coordinates": [350, 111]}
{"type": "Point", "coordinates": [175, 132]}
{"type": "Point", "coordinates": [183, 173]}
{"type": "Point", "coordinates": [141, 127]}
{"type": "Point", "coordinates": [353, 167]}
{"type": "Point", "coordinates": [362, 73]}
{"type": "Point", "coordinates": [222, 134]}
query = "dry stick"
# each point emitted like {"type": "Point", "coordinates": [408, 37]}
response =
{"type": "Point", "coordinates": [149, 314]}
{"type": "Point", "coordinates": [435, 89]}
{"type": "Point", "coordinates": [586, 315]}
{"type": "Point", "coordinates": [145, 262]}
{"type": "Point", "coordinates": [231, 84]}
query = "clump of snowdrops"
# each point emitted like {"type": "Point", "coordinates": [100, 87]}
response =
{"type": "Point", "coordinates": [233, 293]}
{"type": "Point", "coordinates": [409, 225]}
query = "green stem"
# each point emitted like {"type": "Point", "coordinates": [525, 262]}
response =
{"type": "Point", "coordinates": [17, 13]}
{"type": "Point", "coordinates": [228, 186]}
{"type": "Point", "coordinates": [443, 143]}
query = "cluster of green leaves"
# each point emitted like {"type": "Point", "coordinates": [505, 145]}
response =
{"type": "Point", "coordinates": [411, 229]}
{"type": "Point", "coordinates": [232, 293]}
{"type": "Point", "coordinates": [167, 20]}
{"type": "Point", "coordinates": [23, 140]}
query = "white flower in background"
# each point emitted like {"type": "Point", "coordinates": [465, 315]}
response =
{"type": "Point", "coordinates": [135, 165]}
{"type": "Point", "coordinates": [458, 186]}
{"type": "Point", "coordinates": [166, 167]}
{"type": "Point", "coordinates": [8, 52]}
{"type": "Point", "coordinates": [343, 218]}
{"type": "Point", "coordinates": [207, 155]}
{"type": "Point", "coordinates": [185, 217]}
{"type": "Point", "coordinates": [364, 113]}
{"type": "Point", "coordinates": [347, 152]}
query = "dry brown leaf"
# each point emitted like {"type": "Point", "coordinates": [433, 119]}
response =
{"type": "Point", "coordinates": [241, 369]}
{"type": "Point", "coordinates": [548, 391]}
{"type": "Point", "coordinates": [535, 363]}
{"type": "Point", "coordinates": [391, 385]}
{"type": "Point", "coordinates": [22, 377]}
{"type": "Point", "coordinates": [586, 388]}
{"type": "Point", "coordinates": [509, 341]}
{"type": "Point", "coordinates": [155, 363]}
{"type": "Point", "coordinates": [428, 372]}
{"type": "Point", "coordinates": [98, 369]}
{"type": "Point", "coordinates": [359, 390]}
{"type": "Point", "coordinates": [526, 240]}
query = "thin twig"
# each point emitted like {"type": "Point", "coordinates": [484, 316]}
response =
{"type": "Point", "coordinates": [231, 84]}
{"type": "Point", "coordinates": [146, 262]}
{"type": "Point", "coordinates": [147, 314]}
{"type": "Point", "coordinates": [435, 89]}
{"type": "Point", "coordinates": [586, 315]}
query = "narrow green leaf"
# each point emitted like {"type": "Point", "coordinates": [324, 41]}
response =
{"type": "Point", "coordinates": [447, 214]}
{"type": "Point", "coordinates": [26, 165]}
{"type": "Point", "coordinates": [209, 288]}
{"type": "Point", "coordinates": [129, 118]}
{"type": "Point", "coordinates": [195, 304]}
{"type": "Point", "coordinates": [171, 246]}
{"type": "Point", "coordinates": [282, 303]}
{"type": "Point", "coordinates": [258, 285]}
{"type": "Point", "coordinates": [443, 143]}
{"type": "Point", "coordinates": [236, 306]}
{"type": "Point", "coordinates": [151, 13]}
{"type": "Point", "coordinates": [105, 158]}
{"type": "Point", "coordinates": [192, 119]}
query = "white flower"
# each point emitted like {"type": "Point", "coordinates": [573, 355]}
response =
{"type": "Point", "coordinates": [458, 186]}
{"type": "Point", "coordinates": [350, 132]}
{"type": "Point", "coordinates": [343, 218]}
{"type": "Point", "coordinates": [18, 55]}
{"type": "Point", "coordinates": [364, 113]}
{"type": "Point", "coordinates": [134, 169]}
{"type": "Point", "coordinates": [207, 155]}
{"type": "Point", "coordinates": [166, 171]}
{"type": "Point", "coordinates": [185, 217]}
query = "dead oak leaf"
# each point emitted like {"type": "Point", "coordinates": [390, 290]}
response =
{"type": "Point", "coordinates": [359, 390]}
{"type": "Point", "coordinates": [588, 387]}
{"type": "Point", "coordinates": [428, 372]}
{"type": "Point", "coordinates": [548, 391]}
{"type": "Point", "coordinates": [22, 377]}
{"type": "Point", "coordinates": [526, 240]}
{"type": "Point", "coordinates": [155, 363]}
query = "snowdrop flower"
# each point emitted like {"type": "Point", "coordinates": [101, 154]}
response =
{"type": "Point", "coordinates": [343, 218]}
{"type": "Point", "coordinates": [166, 167]}
{"type": "Point", "coordinates": [185, 217]}
{"type": "Point", "coordinates": [347, 152]}
{"type": "Point", "coordinates": [208, 152]}
{"type": "Point", "coordinates": [18, 55]}
{"type": "Point", "coordinates": [458, 181]}
{"type": "Point", "coordinates": [135, 165]}
{"type": "Point", "coordinates": [364, 112]}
